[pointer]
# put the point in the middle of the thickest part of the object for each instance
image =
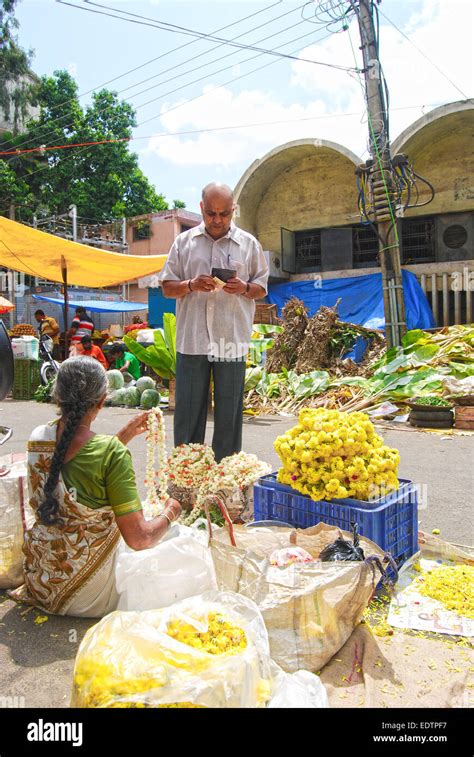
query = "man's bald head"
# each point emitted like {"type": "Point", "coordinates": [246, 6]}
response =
{"type": "Point", "coordinates": [217, 207]}
{"type": "Point", "coordinates": [215, 188]}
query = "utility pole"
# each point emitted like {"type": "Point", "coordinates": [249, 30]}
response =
{"type": "Point", "coordinates": [381, 180]}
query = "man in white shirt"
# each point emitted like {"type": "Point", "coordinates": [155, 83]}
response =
{"type": "Point", "coordinates": [213, 322]}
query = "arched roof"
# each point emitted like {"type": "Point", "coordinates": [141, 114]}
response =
{"type": "Point", "coordinates": [435, 125]}
{"type": "Point", "coordinates": [258, 178]}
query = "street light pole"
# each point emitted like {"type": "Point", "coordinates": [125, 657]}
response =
{"type": "Point", "coordinates": [381, 180]}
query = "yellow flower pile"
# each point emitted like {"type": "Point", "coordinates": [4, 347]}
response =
{"type": "Point", "coordinates": [221, 636]}
{"type": "Point", "coordinates": [331, 455]}
{"type": "Point", "coordinates": [99, 684]}
{"type": "Point", "coordinates": [453, 586]}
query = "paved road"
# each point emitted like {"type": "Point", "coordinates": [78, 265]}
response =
{"type": "Point", "coordinates": [36, 661]}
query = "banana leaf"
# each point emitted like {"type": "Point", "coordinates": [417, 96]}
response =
{"type": "Point", "coordinates": [169, 330]}
{"type": "Point", "coordinates": [156, 356]}
{"type": "Point", "coordinates": [267, 328]}
{"type": "Point", "coordinates": [307, 384]}
{"type": "Point", "coordinates": [270, 383]}
{"type": "Point", "coordinates": [256, 349]}
{"type": "Point", "coordinates": [252, 377]}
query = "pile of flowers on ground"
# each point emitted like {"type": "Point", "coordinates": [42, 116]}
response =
{"type": "Point", "coordinates": [453, 586]}
{"type": "Point", "coordinates": [331, 455]}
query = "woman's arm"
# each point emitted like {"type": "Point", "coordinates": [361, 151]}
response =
{"type": "Point", "coordinates": [136, 426]}
{"type": "Point", "coordinates": [142, 534]}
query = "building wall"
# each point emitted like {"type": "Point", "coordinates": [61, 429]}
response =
{"type": "Point", "coordinates": [442, 150]}
{"type": "Point", "coordinates": [165, 226]}
{"type": "Point", "coordinates": [316, 191]}
{"type": "Point", "coordinates": [310, 184]}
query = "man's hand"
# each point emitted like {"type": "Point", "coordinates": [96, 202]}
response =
{"type": "Point", "coordinates": [202, 284]}
{"type": "Point", "coordinates": [135, 427]}
{"type": "Point", "coordinates": [235, 286]}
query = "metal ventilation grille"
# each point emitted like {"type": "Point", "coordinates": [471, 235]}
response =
{"type": "Point", "coordinates": [455, 236]}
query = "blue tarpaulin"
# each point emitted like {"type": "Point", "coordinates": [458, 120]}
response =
{"type": "Point", "coordinates": [96, 306]}
{"type": "Point", "coordinates": [361, 299]}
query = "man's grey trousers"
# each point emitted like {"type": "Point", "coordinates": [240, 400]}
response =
{"type": "Point", "coordinates": [193, 374]}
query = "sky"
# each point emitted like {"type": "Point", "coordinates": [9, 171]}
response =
{"type": "Point", "coordinates": [207, 110]}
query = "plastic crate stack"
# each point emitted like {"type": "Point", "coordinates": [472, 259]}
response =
{"type": "Point", "coordinates": [391, 521]}
{"type": "Point", "coordinates": [26, 378]}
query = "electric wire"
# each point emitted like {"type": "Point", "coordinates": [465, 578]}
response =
{"type": "Point", "coordinates": [201, 35]}
{"type": "Point", "coordinates": [163, 55]}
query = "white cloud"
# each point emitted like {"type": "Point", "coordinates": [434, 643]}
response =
{"type": "Point", "coordinates": [441, 29]}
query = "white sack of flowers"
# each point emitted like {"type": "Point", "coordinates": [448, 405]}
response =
{"type": "Point", "coordinates": [208, 651]}
{"type": "Point", "coordinates": [174, 569]}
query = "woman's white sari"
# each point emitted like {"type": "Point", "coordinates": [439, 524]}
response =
{"type": "Point", "coordinates": [69, 569]}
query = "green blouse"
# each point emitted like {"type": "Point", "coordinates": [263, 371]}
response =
{"type": "Point", "coordinates": [102, 475]}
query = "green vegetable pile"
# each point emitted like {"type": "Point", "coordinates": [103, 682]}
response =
{"type": "Point", "coordinates": [420, 367]}
{"type": "Point", "coordinates": [44, 391]}
{"type": "Point", "coordinates": [432, 401]}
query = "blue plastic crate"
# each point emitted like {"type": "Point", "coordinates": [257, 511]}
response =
{"type": "Point", "coordinates": [391, 521]}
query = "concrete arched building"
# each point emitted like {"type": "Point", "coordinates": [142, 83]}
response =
{"type": "Point", "coordinates": [300, 201]}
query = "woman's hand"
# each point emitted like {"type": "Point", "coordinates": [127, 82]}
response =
{"type": "Point", "coordinates": [173, 509]}
{"type": "Point", "coordinates": [135, 427]}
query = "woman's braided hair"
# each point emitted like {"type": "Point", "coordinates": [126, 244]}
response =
{"type": "Point", "coordinates": [80, 385]}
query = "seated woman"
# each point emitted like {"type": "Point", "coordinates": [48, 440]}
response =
{"type": "Point", "coordinates": [82, 488]}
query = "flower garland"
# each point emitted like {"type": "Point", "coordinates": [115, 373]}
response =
{"type": "Point", "coordinates": [189, 465]}
{"type": "Point", "coordinates": [233, 472]}
{"type": "Point", "coordinates": [236, 472]}
{"type": "Point", "coordinates": [156, 481]}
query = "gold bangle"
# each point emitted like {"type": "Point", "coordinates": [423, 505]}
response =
{"type": "Point", "coordinates": [167, 518]}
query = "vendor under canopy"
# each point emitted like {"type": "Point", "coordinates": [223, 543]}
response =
{"type": "Point", "coordinates": [83, 491]}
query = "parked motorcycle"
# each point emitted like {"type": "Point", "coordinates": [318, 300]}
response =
{"type": "Point", "coordinates": [50, 367]}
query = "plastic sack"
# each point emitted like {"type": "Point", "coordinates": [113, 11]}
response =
{"type": "Point", "coordinates": [129, 659]}
{"type": "Point", "coordinates": [178, 567]}
{"type": "Point", "coordinates": [15, 517]}
{"type": "Point", "coordinates": [26, 347]}
{"type": "Point", "coordinates": [301, 689]}
{"type": "Point", "coordinates": [310, 609]}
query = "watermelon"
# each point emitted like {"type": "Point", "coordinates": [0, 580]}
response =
{"type": "Point", "coordinates": [145, 382]}
{"type": "Point", "coordinates": [115, 380]}
{"type": "Point", "coordinates": [150, 398]}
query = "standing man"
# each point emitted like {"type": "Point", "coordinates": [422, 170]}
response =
{"type": "Point", "coordinates": [48, 326]}
{"type": "Point", "coordinates": [213, 320]}
{"type": "Point", "coordinates": [81, 325]}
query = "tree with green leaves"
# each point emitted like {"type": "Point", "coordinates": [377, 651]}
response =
{"type": "Point", "coordinates": [103, 180]}
{"type": "Point", "coordinates": [17, 82]}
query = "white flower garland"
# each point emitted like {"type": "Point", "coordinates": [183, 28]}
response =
{"type": "Point", "coordinates": [189, 465]}
{"type": "Point", "coordinates": [156, 446]}
{"type": "Point", "coordinates": [234, 472]}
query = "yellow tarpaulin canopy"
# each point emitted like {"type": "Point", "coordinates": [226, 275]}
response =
{"type": "Point", "coordinates": [38, 254]}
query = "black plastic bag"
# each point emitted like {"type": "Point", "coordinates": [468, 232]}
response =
{"type": "Point", "coordinates": [344, 550]}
